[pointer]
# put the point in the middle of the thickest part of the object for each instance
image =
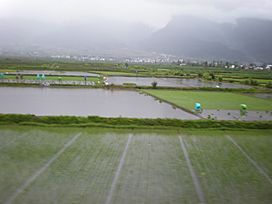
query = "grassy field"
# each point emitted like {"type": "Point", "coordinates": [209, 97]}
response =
{"type": "Point", "coordinates": [211, 100]}
{"type": "Point", "coordinates": [70, 165]}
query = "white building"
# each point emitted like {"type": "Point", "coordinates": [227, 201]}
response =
{"type": "Point", "coordinates": [268, 67]}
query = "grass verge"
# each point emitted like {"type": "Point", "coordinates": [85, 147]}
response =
{"type": "Point", "coordinates": [130, 123]}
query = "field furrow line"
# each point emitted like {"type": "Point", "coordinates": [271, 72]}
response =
{"type": "Point", "coordinates": [196, 182]}
{"type": "Point", "coordinates": [252, 161]}
{"type": "Point", "coordinates": [147, 157]}
{"type": "Point", "coordinates": [40, 171]}
{"type": "Point", "coordinates": [118, 171]}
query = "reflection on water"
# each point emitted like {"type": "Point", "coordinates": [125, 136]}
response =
{"type": "Point", "coordinates": [83, 102]}
{"type": "Point", "coordinates": [263, 95]}
{"type": "Point", "coordinates": [171, 82]}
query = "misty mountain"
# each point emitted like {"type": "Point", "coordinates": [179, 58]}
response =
{"type": "Point", "coordinates": [255, 38]}
{"type": "Point", "coordinates": [96, 35]}
{"type": "Point", "coordinates": [246, 40]}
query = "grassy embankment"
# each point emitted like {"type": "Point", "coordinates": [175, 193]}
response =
{"type": "Point", "coordinates": [210, 100]}
{"type": "Point", "coordinates": [128, 123]}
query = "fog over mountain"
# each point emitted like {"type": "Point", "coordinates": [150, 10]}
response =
{"type": "Point", "coordinates": [86, 38]}
{"type": "Point", "coordinates": [235, 30]}
{"type": "Point", "coordinates": [247, 39]}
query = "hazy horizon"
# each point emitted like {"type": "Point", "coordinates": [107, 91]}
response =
{"type": "Point", "coordinates": [154, 13]}
{"type": "Point", "coordinates": [88, 26]}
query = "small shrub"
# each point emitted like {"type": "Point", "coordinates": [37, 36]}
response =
{"type": "Point", "coordinates": [154, 84]}
{"type": "Point", "coordinates": [212, 76]}
{"type": "Point", "coordinates": [269, 85]}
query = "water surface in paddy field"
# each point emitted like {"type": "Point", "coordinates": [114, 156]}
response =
{"type": "Point", "coordinates": [235, 115]}
{"type": "Point", "coordinates": [263, 95]}
{"type": "Point", "coordinates": [171, 82]}
{"type": "Point", "coordinates": [83, 102]}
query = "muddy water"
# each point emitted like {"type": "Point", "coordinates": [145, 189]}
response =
{"type": "Point", "coordinates": [171, 82]}
{"type": "Point", "coordinates": [235, 115]}
{"type": "Point", "coordinates": [83, 102]}
{"type": "Point", "coordinates": [263, 95]}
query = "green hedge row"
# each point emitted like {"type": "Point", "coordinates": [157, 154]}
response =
{"type": "Point", "coordinates": [129, 122]}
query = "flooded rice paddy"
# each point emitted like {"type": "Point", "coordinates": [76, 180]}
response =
{"type": "Point", "coordinates": [48, 82]}
{"type": "Point", "coordinates": [104, 103]}
{"type": "Point", "coordinates": [171, 82]}
{"type": "Point", "coordinates": [263, 95]}
{"type": "Point", "coordinates": [84, 102]}
{"type": "Point", "coordinates": [235, 115]}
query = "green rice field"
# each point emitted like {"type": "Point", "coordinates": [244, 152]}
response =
{"type": "Point", "coordinates": [211, 100]}
{"type": "Point", "coordinates": [77, 165]}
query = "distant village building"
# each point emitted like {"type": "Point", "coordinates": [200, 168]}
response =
{"type": "Point", "coordinates": [258, 68]}
{"type": "Point", "coordinates": [268, 67]}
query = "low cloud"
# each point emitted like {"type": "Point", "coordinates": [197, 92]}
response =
{"type": "Point", "coordinates": [155, 13]}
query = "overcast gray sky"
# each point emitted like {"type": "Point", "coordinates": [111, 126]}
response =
{"type": "Point", "coordinates": [155, 13]}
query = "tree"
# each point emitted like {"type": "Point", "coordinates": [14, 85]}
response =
{"type": "Point", "coordinates": [154, 84]}
{"type": "Point", "coordinates": [206, 76]}
{"type": "Point", "coordinates": [126, 65]}
{"type": "Point", "coordinates": [269, 85]}
{"type": "Point", "coordinates": [253, 82]}
{"type": "Point", "coordinates": [212, 76]}
{"type": "Point", "coordinates": [227, 64]}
